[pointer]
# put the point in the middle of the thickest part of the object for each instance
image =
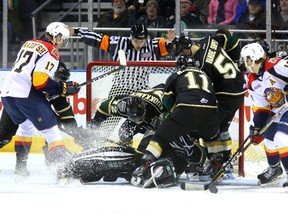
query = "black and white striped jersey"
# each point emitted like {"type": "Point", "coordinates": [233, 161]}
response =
{"type": "Point", "coordinates": [152, 51]}
{"type": "Point", "coordinates": [129, 79]}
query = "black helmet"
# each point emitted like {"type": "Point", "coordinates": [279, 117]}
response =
{"type": "Point", "coordinates": [184, 61]}
{"type": "Point", "coordinates": [139, 31]}
{"type": "Point", "coordinates": [135, 109]}
{"type": "Point", "coordinates": [62, 73]}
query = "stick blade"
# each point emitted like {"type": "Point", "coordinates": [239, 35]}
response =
{"type": "Point", "coordinates": [122, 58]}
{"type": "Point", "coordinates": [191, 186]}
{"type": "Point", "coordinates": [212, 187]}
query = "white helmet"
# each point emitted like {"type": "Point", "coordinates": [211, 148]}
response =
{"type": "Point", "coordinates": [253, 51]}
{"type": "Point", "coordinates": [58, 28]}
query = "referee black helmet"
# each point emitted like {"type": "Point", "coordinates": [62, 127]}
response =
{"type": "Point", "coordinates": [139, 31]}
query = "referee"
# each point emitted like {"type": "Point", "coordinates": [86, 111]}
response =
{"type": "Point", "coordinates": [137, 47]}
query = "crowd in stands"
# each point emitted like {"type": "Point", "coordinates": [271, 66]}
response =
{"type": "Point", "coordinates": [195, 14]}
{"type": "Point", "coordinates": [198, 14]}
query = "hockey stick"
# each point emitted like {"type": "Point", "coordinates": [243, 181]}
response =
{"type": "Point", "coordinates": [123, 64]}
{"type": "Point", "coordinates": [212, 185]}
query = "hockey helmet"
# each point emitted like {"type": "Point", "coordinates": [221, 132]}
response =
{"type": "Point", "coordinates": [55, 29]}
{"type": "Point", "coordinates": [139, 31]}
{"type": "Point", "coordinates": [254, 52]}
{"type": "Point", "coordinates": [264, 45]}
{"type": "Point", "coordinates": [135, 109]}
{"type": "Point", "coordinates": [184, 61]}
{"type": "Point", "coordinates": [62, 73]}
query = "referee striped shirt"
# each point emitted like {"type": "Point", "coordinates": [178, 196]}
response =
{"type": "Point", "coordinates": [130, 79]}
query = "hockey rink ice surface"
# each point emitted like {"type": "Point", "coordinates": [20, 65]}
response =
{"type": "Point", "coordinates": [39, 194]}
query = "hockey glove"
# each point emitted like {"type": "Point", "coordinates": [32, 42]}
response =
{"type": "Point", "coordinates": [255, 137]}
{"type": "Point", "coordinates": [62, 73]}
{"type": "Point", "coordinates": [68, 88]}
{"type": "Point", "coordinates": [181, 43]}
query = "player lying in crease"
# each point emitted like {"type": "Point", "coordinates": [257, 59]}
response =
{"type": "Point", "coordinates": [111, 162]}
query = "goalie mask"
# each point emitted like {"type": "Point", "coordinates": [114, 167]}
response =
{"type": "Point", "coordinates": [135, 109]}
{"type": "Point", "coordinates": [62, 73]}
{"type": "Point", "coordinates": [160, 174]}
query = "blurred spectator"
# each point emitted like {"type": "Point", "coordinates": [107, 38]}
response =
{"type": "Point", "coordinates": [280, 18]}
{"type": "Point", "coordinates": [137, 6]}
{"type": "Point", "coordinates": [118, 17]}
{"type": "Point", "coordinates": [189, 14]}
{"type": "Point", "coordinates": [242, 7]}
{"type": "Point", "coordinates": [152, 19]}
{"type": "Point", "coordinates": [189, 18]}
{"type": "Point", "coordinates": [222, 12]}
{"type": "Point", "coordinates": [202, 7]}
{"type": "Point", "coordinates": [167, 8]}
{"type": "Point", "coordinates": [168, 12]}
{"type": "Point", "coordinates": [254, 18]}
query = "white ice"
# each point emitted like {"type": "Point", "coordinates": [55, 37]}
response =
{"type": "Point", "coordinates": [40, 195]}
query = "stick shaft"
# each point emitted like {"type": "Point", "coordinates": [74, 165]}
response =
{"type": "Point", "coordinates": [240, 151]}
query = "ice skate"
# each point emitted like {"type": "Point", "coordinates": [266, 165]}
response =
{"type": "Point", "coordinates": [21, 168]}
{"type": "Point", "coordinates": [270, 174]}
{"type": "Point", "coordinates": [229, 174]}
{"type": "Point", "coordinates": [210, 170]}
{"type": "Point", "coordinates": [58, 156]}
{"type": "Point", "coordinates": [285, 184]}
{"type": "Point", "coordinates": [193, 171]}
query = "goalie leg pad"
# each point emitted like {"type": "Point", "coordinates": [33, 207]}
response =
{"type": "Point", "coordinates": [108, 163]}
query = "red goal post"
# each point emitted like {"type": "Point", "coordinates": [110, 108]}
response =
{"type": "Point", "coordinates": [98, 91]}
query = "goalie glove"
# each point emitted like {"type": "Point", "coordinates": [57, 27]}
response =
{"type": "Point", "coordinates": [68, 88]}
{"type": "Point", "coordinates": [255, 137]}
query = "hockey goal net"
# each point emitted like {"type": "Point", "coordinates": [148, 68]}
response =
{"type": "Point", "coordinates": [138, 75]}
